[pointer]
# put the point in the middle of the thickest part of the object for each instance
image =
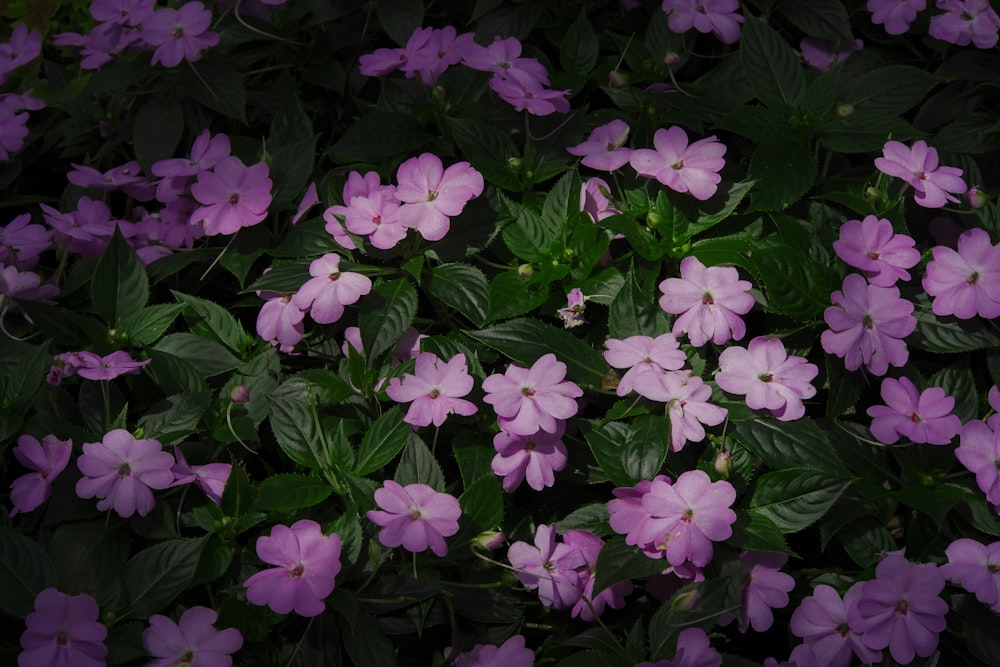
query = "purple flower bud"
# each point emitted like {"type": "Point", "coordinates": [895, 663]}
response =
{"type": "Point", "coordinates": [977, 198]}
{"type": "Point", "coordinates": [724, 464]}
{"type": "Point", "coordinates": [240, 394]}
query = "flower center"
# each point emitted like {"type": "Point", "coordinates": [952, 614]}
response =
{"type": "Point", "coordinates": [867, 322]}
{"type": "Point", "coordinates": [972, 279]}
{"type": "Point", "coordinates": [872, 254]}
{"type": "Point", "coordinates": [688, 516]}
{"type": "Point", "coordinates": [706, 299]}
{"type": "Point", "coordinates": [902, 608]}
{"type": "Point", "coordinates": [766, 377]}
{"type": "Point", "coordinates": [177, 32]}
{"type": "Point", "coordinates": [527, 391]}
{"type": "Point", "coordinates": [61, 638]}
{"type": "Point", "coordinates": [187, 657]}
{"type": "Point", "coordinates": [334, 277]}
{"type": "Point", "coordinates": [921, 176]}
{"type": "Point", "coordinates": [915, 418]}
{"type": "Point", "coordinates": [434, 393]}
{"type": "Point", "coordinates": [993, 568]}
{"type": "Point", "coordinates": [414, 513]}
{"type": "Point", "coordinates": [843, 629]}
{"type": "Point", "coordinates": [377, 220]}
{"type": "Point", "coordinates": [432, 195]}
{"type": "Point", "coordinates": [124, 470]}
{"type": "Point", "coordinates": [529, 446]}
{"type": "Point", "coordinates": [678, 165]}
{"type": "Point", "coordinates": [234, 199]}
{"type": "Point", "coordinates": [297, 571]}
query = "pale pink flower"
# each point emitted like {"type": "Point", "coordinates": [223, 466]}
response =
{"type": "Point", "coordinates": [603, 149]}
{"type": "Point", "coordinates": [589, 606]}
{"type": "Point", "coordinates": [121, 471]}
{"type": "Point", "coordinates": [48, 459]}
{"type": "Point", "coordinates": [872, 246]}
{"type": "Point", "coordinates": [435, 389]}
{"type": "Point", "coordinates": [330, 289]}
{"type": "Point", "coordinates": [646, 359]}
{"type": "Point", "coordinates": [232, 196]}
{"type": "Point", "coordinates": [415, 517]}
{"type": "Point", "coordinates": [768, 377]}
{"type": "Point", "coordinates": [595, 200]}
{"type": "Point", "coordinates": [211, 478]}
{"type": "Point", "coordinates": [979, 452]}
{"type": "Point", "coordinates": [523, 92]}
{"type": "Point", "coordinates": [919, 416]}
{"type": "Point", "coordinates": [709, 301]}
{"type": "Point", "coordinates": [432, 195]}
{"type": "Point", "coordinates": [357, 185]}
{"type": "Point", "coordinates": [549, 566]}
{"type": "Point", "coordinates": [933, 186]}
{"type": "Point", "coordinates": [965, 283]}
{"type": "Point", "coordinates": [530, 399]}
{"type": "Point", "coordinates": [120, 362]}
{"type": "Point", "coordinates": [681, 167]}
{"type": "Point", "coordinates": [687, 398]}
{"type": "Point", "coordinates": [193, 641]}
{"type": "Point", "coordinates": [534, 458]}
{"type": "Point", "coordinates": [377, 217]}
{"type": "Point", "coordinates": [896, 15]}
{"type": "Point", "coordinates": [572, 314]}
{"type": "Point", "coordinates": [718, 17]}
{"type": "Point", "coordinates": [280, 322]}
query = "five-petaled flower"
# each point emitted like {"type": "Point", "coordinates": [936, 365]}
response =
{"type": "Point", "coordinates": [435, 388]}
{"type": "Point", "coordinates": [527, 400]}
{"type": "Point", "coordinates": [122, 471]}
{"type": "Point", "coordinates": [934, 186]}
{"type": "Point", "coordinates": [709, 302]}
{"type": "Point", "coordinates": [330, 289]}
{"type": "Point", "coordinates": [681, 167]}
{"type": "Point", "coordinates": [965, 283]}
{"type": "Point", "coordinates": [193, 641]}
{"type": "Point", "coordinates": [48, 459]}
{"type": "Point", "coordinates": [63, 631]}
{"type": "Point", "coordinates": [415, 517]}
{"type": "Point", "coordinates": [920, 416]}
{"type": "Point", "coordinates": [768, 376]}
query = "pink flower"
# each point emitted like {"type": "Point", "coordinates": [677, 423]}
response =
{"type": "Point", "coordinates": [966, 21]}
{"type": "Point", "coordinates": [194, 640]}
{"type": "Point", "coordinates": [529, 457]}
{"type": "Point", "coordinates": [502, 57]}
{"type": "Point", "coordinates": [825, 53]}
{"type": "Point", "coordinates": [432, 195]}
{"type": "Point", "coordinates": [979, 452]}
{"type": "Point", "coordinates": [23, 286]}
{"type": "Point", "coordinates": [918, 166]}
{"type": "Point", "coordinates": [522, 91]}
{"type": "Point", "coordinates": [572, 314]}
{"type": "Point", "coordinates": [377, 217]}
{"type": "Point", "coordinates": [48, 459]}
{"type": "Point", "coordinates": [512, 653]}
{"type": "Point", "coordinates": [763, 587]}
{"type": "Point", "coordinates": [901, 609]}
{"type": "Point", "coordinates": [709, 301]}
{"type": "Point", "coordinates": [646, 359]}
{"type": "Point", "coordinates": [121, 470]}
{"type": "Point", "coordinates": [211, 478]}
{"type": "Point", "coordinates": [120, 362]}
{"type": "Point", "coordinates": [232, 195]}
{"type": "Point", "coordinates": [62, 631]}
{"type": "Point", "coordinates": [179, 34]}
{"type": "Point", "coordinates": [718, 17]}
{"type": "Point", "coordinates": [21, 243]}
{"type": "Point", "coordinates": [356, 186]}
{"type": "Point", "coordinates": [280, 322]}
{"type": "Point", "coordinates": [415, 517]}
{"type": "Point", "coordinates": [530, 399]}
{"type": "Point", "coordinates": [693, 650]}
{"type": "Point", "coordinates": [589, 606]}
{"type": "Point", "coordinates": [965, 283]}
{"type": "Point", "coordinates": [444, 47]}
{"type": "Point", "coordinates": [550, 567]}
{"type": "Point", "coordinates": [330, 289]}
{"type": "Point", "coordinates": [206, 152]}
{"type": "Point", "coordinates": [435, 389]}
{"type": "Point", "coordinates": [595, 200]}
{"type": "Point", "coordinates": [127, 177]}
{"type": "Point", "coordinates": [603, 149]}
{"type": "Point", "coordinates": [688, 408]}
{"type": "Point", "coordinates": [976, 568]}
{"type": "Point", "coordinates": [871, 245]}
{"type": "Point", "coordinates": [627, 514]}
{"type": "Point", "coordinates": [768, 377]}
{"type": "Point", "coordinates": [822, 622]}
{"type": "Point", "coordinates": [897, 15]}
{"type": "Point", "coordinates": [307, 563]}
{"type": "Point", "coordinates": [867, 324]}
{"type": "Point", "coordinates": [920, 416]}
{"type": "Point", "coordinates": [681, 167]}
{"type": "Point", "coordinates": [24, 46]}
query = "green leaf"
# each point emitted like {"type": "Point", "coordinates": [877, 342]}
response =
{"type": "Point", "coordinates": [217, 85]}
{"type": "Point", "coordinates": [796, 444]}
{"type": "Point", "coordinates": [482, 140]}
{"type": "Point", "coordinates": [155, 576]}
{"type": "Point", "coordinates": [960, 385]}
{"type": "Point", "coordinates": [25, 571]}
{"type": "Point", "coordinates": [378, 136]}
{"type": "Point", "coordinates": [88, 557]}
{"type": "Point", "coordinates": [845, 387]}
{"type": "Point", "coordinates": [417, 465]}
{"type": "Point", "coordinates": [328, 387]}
{"type": "Point", "coordinates": [866, 540]}
{"type": "Point", "coordinates": [824, 19]}
{"type": "Point", "coordinates": [511, 295]}
{"type": "Point", "coordinates": [785, 170]}
{"type": "Point", "coordinates": [593, 517]}
{"type": "Point", "coordinates": [366, 643]}
{"type": "Point", "coordinates": [533, 236]}
{"type": "Point", "coordinates": [22, 373]}
{"type": "Point", "coordinates": [758, 533]}
{"type": "Point", "coordinates": [175, 416]}
{"type": "Point", "coordinates": [526, 340]}
{"type": "Point", "coordinates": [634, 311]}
{"type": "Point", "coordinates": [864, 131]}
{"type": "Point", "coordinates": [619, 562]}
{"type": "Point", "coordinates": [771, 66]}
{"type": "Point", "coordinates": [386, 313]}
{"type": "Point", "coordinates": [207, 356]}
{"type": "Point", "coordinates": [717, 209]}
{"type": "Point", "coordinates": [175, 375]}
{"type": "Point", "coordinates": [286, 493]}
{"type": "Point", "coordinates": [628, 455]}
{"type": "Point", "coordinates": [383, 440]}
{"type": "Point", "coordinates": [641, 239]}
{"type": "Point", "coordinates": [210, 320]}
{"type": "Point", "coordinates": [482, 502]}
{"type": "Point", "coordinates": [462, 287]}
{"type": "Point", "coordinates": [285, 278]}
{"type": "Point", "coordinates": [159, 124]}
{"type": "Point", "coordinates": [237, 494]}
{"type": "Point", "coordinates": [796, 284]}
{"type": "Point", "coordinates": [120, 286]}
{"type": "Point", "coordinates": [400, 18]}
{"type": "Point", "coordinates": [291, 165]}
{"type": "Point", "coordinates": [293, 422]}
{"type": "Point", "coordinates": [578, 49]}
{"type": "Point", "coordinates": [893, 89]}
{"type": "Point", "coordinates": [934, 501]}
{"type": "Point", "coordinates": [309, 238]}
{"type": "Point", "coordinates": [730, 250]}
{"type": "Point", "coordinates": [144, 327]}
{"type": "Point", "coordinates": [934, 335]}
{"type": "Point", "coordinates": [796, 497]}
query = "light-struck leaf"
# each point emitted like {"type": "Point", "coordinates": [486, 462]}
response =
{"type": "Point", "coordinates": [207, 356]}
{"type": "Point", "coordinates": [155, 576]}
{"type": "Point", "coordinates": [386, 313]}
{"type": "Point", "coordinates": [285, 493]}
{"type": "Point", "coordinates": [785, 170]}
{"type": "Point", "coordinates": [462, 287]}
{"type": "Point", "coordinates": [417, 465]}
{"type": "Point", "coordinates": [175, 416]}
{"type": "Point", "coordinates": [145, 326]}
{"type": "Point", "coordinates": [482, 502]}
{"type": "Point", "coordinates": [794, 498]}
{"type": "Point", "coordinates": [796, 444]}
{"type": "Point", "coordinates": [210, 320]}
{"type": "Point", "coordinates": [382, 441]}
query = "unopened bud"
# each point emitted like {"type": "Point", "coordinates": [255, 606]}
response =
{"type": "Point", "coordinates": [724, 464]}
{"type": "Point", "coordinates": [872, 194]}
{"type": "Point", "coordinates": [685, 601]}
{"type": "Point", "coordinates": [844, 110]}
{"type": "Point", "coordinates": [525, 271]}
{"type": "Point", "coordinates": [672, 60]}
{"type": "Point", "coordinates": [617, 79]}
{"type": "Point", "coordinates": [653, 219]}
{"type": "Point", "coordinates": [489, 540]}
{"type": "Point", "coordinates": [976, 197]}
{"type": "Point", "coordinates": [514, 163]}
{"type": "Point", "coordinates": [240, 394]}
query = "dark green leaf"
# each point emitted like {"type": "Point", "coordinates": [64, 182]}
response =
{"type": "Point", "coordinates": [399, 18]}
{"type": "Point", "coordinates": [25, 376]}
{"type": "Point", "coordinates": [628, 455]}
{"type": "Point", "coordinates": [756, 532]}
{"type": "Point", "coordinates": [217, 85]}
{"type": "Point", "coordinates": [796, 284]}
{"type": "Point", "coordinates": [771, 66]}
{"type": "Point", "coordinates": [417, 465]}
{"type": "Point", "coordinates": [386, 313]}
{"type": "Point", "coordinates": [864, 131]}
{"type": "Point", "coordinates": [286, 493]}
{"type": "Point", "coordinates": [845, 387]}
{"type": "Point", "coordinates": [934, 501]}
{"type": "Point", "coordinates": [797, 444]}
{"type": "Point", "coordinates": [824, 19]}
{"type": "Point", "coordinates": [328, 387]}
{"type": "Point", "coordinates": [175, 375]}
{"type": "Point", "coordinates": [293, 421]}
{"type": "Point", "coordinates": [634, 311]}
{"type": "Point", "coordinates": [25, 571]}
{"type": "Point", "coordinates": [866, 541]}
{"type": "Point", "coordinates": [531, 237]}
{"type": "Point", "coordinates": [462, 287]}
{"type": "Point", "coordinates": [482, 502]}
{"type": "Point", "coordinates": [593, 517]}
{"type": "Point", "coordinates": [175, 416]}
{"type": "Point", "coordinates": [785, 170]}
{"type": "Point", "coordinates": [950, 335]}
{"type": "Point", "coordinates": [144, 327]}
{"type": "Point", "coordinates": [119, 287]}
{"type": "Point", "coordinates": [960, 385]}
{"type": "Point", "coordinates": [309, 238]}
{"type": "Point", "coordinates": [893, 89]}
{"type": "Point", "coordinates": [366, 643]}
{"type": "Point", "coordinates": [382, 441]}
{"type": "Point", "coordinates": [159, 124]}
{"type": "Point", "coordinates": [716, 209]}
{"type": "Point", "coordinates": [154, 576]}
{"type": "Point", "coordinates": [284, 278]}
{"type": "Point", "coordinates": [209, 357]}
{"type": "Point", "coordinates": [237, 496]}
{"type": "Point", "coordinates": [619, 562]}
{"type": "Point", "coordinates": [796, 497]}
{"type": "Point", "coordinates": [512, 295]}
{"type": "Point", "coordinates": [291, 166]}
{"type": "Point", "coordinates": [210, 320]}
{"type": "Point", "coordinates": [378, 136]}
{"type": "Point", "coordinates": [480, 139]}
{"type": "Point", "coordinates": [578, 49]}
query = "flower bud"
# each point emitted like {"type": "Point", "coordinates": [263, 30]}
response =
{"type": "Point", "coordinates": [653, 219]}
{"type": "Point", "coordinates": [686, 601]}
{"type": "Point", "coordinates": [724, 464]}
{"type": "Point", "coordinates": [489, 540]}
{"type": "Point", "coordinates": [240, 394]}
{"type": "Point", "coordinates": [976, 197]}
{"type": "Point", "coordinates": [617, 79]}
{"type": "Point", "coordinates": [514, 163]}
{"type": "Point", "coordinates": [525, 271]}
{"type": "Point", "coordinates": [672, 60]}
{"type": "Point", "coordinates": [844, 110]}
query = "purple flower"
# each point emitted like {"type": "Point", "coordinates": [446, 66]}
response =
{"type": "Point", "coordinates": [693, 650]}
{"type": "Point", "coordinates": [206, 152]}
{"type": "Point", "coordinates": [444, 47]}
{"type": "Point", "coordinates": [63, 630]}
{"type": "Point", "coordinates": [121, 470]}
{"type": "Point", "coordinates": [603, 148]}
{"type": "Point", "coordinates": [976, 568]}
{"type": "Point", "coordinates": [871, 245]}
{"type": "Point", "coordinates": [590, 606]}
{"type": "Point", "coordinates": [48, 459]}
{"type": "Point", "coordinates": [127, 177]}
{"type": "Point", "coordinates": [901, 609]}
{"type": "Point", "coordinates": [709, 301]}
{"type": "Point", "coordinates": [211, 478]}
{"type": "Point", "coordinates": [232, 195]}
{"type": "Point", "coordinates": [718, 17]}
{"type": "Point", "coordinates": [120, 362]}
{"type": "Point", "coordinates": [415, 517]}
{"type": "Point", "coordinates": [595, 199]}
{"type": "Point", "coordinates": [822, 622]}
{"type": "Point", "coordinates": [763, 587]}
{"type": "Point", "coordinates": [280, 322]}
{"type": "Point", "coordinates": [432, 194]}
{"type": "Point", "coordinates": [193, 641]}
{"type": "Point", "coordinates": [768, 377]}
{"type": "Point", "coordinates": [979, 452]}
{"type": "Point", "coordinates": [688, 408]}
{"type": "Point", "coordinates": [23, 286]}
{"type": "Point", "coordinates": [627, 513]}
{"type": "Point", "coordinates": [13, 130]}
{"type": "Point", "coordinates": [966, 21]}
{"type": "Point", "coordinates": [918, 166]}
{"type": "Point", "coordinates": [122, 12]}
{"type": "Point", "coordinates": [24, 46]}
{"type": "Point", "coordinates": [682, 167]}
{"type": "Point", "coordinates": [356, 186]}
{"type": "Point", "coordinates": [21, 242]}
{"type": "Point", "coordinates": [646, 359]}
{"type": "Point", "coordinates": [920, 416]}
{"type": "Point", "coordinates": [550, 567]}
{"type": "Point", "coordinates": [501, 57]}
{"type": "Point", "coordinates": [572, 314]}
{"type": "Point", "coordinates": [376, 216]}
{"type": "Point", "coordinates": [527, 400]}
{"type": "Point", "coordinates": [825, 53]}
{"type": "Point", "coordinates": [897, 15]}
{"type": "Point", "coordinates": [86, 231]}
{"type": "Point", "coordinates": [307, 563]}
{"type": "Point", "coordinates": [867, 324]}
{"type": "Point", "coordinates": [330, 289]}
{"type": "Point", "coordinates": [309, 199]}
{"type": "Point", "coordinates": [521, 90]}
{"type": "Point", "coordinates": [967, 282]}
{"type": "Point", "coordinates": [529, 457]}
{"type": "Point", "coordinates": [512, 653]}
{"type": "Point", "coordinates": [179, 34]}
{"type": "Point", "coordinates": [686, 517]}
{"type": "Point", "coordinates": [435, 389]}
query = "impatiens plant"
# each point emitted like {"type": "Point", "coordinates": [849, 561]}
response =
{"type": "Point", "coordinates": [594, 332]}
